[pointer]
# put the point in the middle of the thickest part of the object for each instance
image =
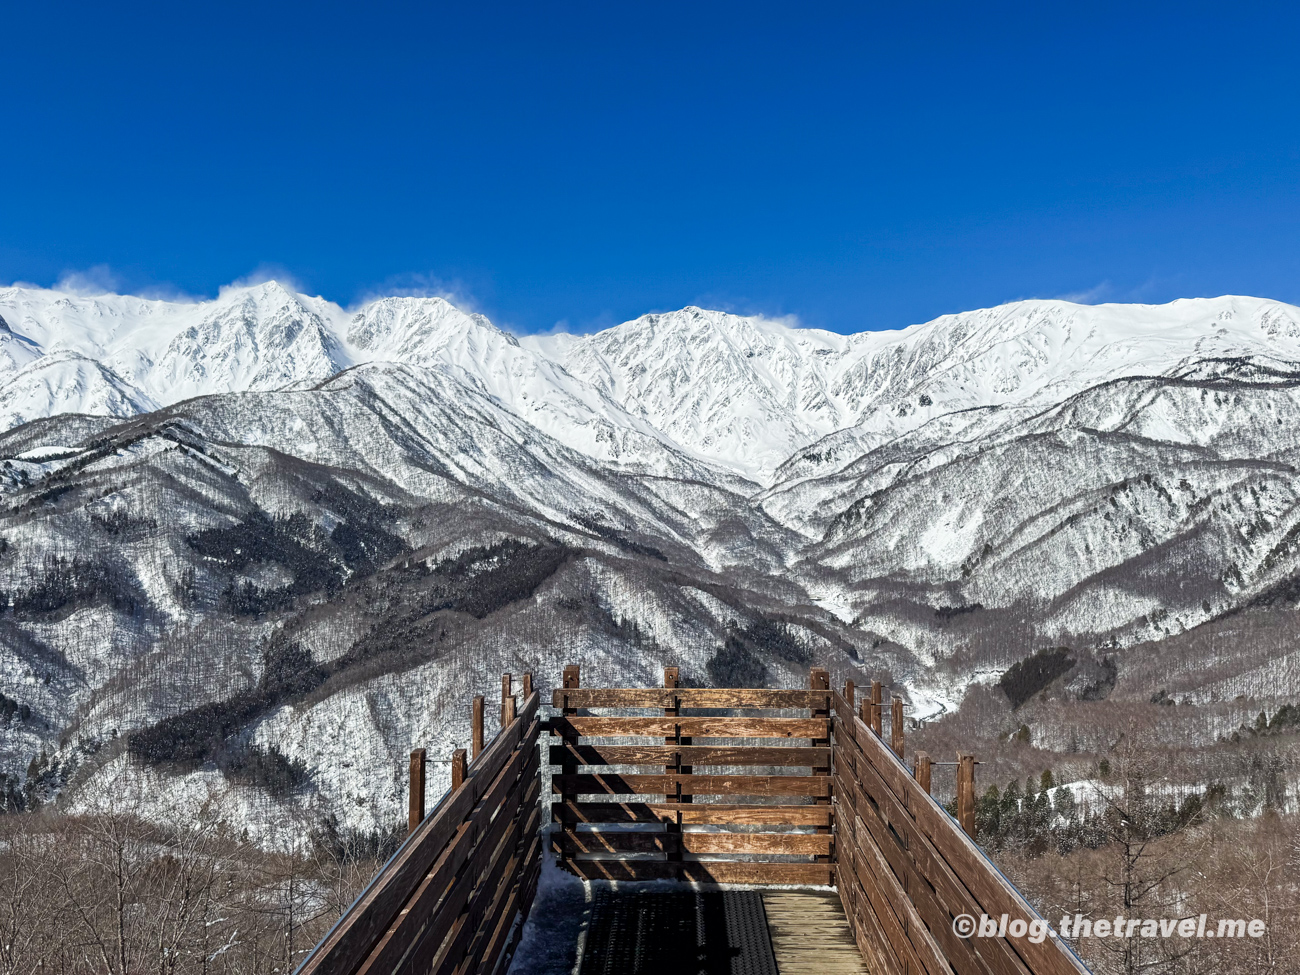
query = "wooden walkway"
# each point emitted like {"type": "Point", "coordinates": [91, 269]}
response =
{"type": "Point", "coordinates": [810, 934]}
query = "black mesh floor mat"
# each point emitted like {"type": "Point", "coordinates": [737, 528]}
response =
{"type": "Point", "coordinates": [661, 932]}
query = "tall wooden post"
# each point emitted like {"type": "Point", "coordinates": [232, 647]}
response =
{"type": "Point", "coordinates": [672, 676]}
{"type": "Point", "coordinates": [875, 707]}
{"type": "Point", "coordinates": [506, 692]}
{"type": "Point", "coordinates": [476, 726]}
{"type": "Point", "coordinates": [415, 806]}
{"type": "Point", "coordinates": [568, 764]}
{"type": "Point", "coordinates": [896, 729]}
{"type": "Point", "coordinates": [819, 679]}
{"type": "Point", "coordinates": [458, 769]}
{"type": "Point", "coordinates": [923, 770]}
{"type": "Point", "coordinates": [528, 686]}
{"type": "Point", "coordinates": [849, 691]}
{"type": "Point", "coordinates": [966, 792]}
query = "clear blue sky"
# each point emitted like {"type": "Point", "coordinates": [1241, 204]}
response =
{"type": "Point", "coordinates": [857, 167]}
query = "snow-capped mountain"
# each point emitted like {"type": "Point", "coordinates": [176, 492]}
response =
{"type": "Point", "coordinates": [402, 500]}
{"type": "Point", "coordinates": [742, 394]}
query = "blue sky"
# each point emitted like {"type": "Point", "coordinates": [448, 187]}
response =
{"type": "Point", "coordinates": [856, 166]}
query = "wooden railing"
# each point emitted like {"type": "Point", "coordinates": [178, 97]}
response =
{"type": "Point", "coordinates": [590, 791]}
{"type": "Point", "coordinates": [846, 810]}
{"type": "Point", "coordinates": [454, 896]}
{"type": "Point", "coordinates": [905, 869]}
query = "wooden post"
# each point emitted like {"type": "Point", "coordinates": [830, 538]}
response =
{"type": "Point", "coordinates": [476, 727]}
{"type": "Point", "coordinates": [458, 769]}
{"type": "Point", "coordinates": [849, 692]}
{"type": "Point", "coordinates": [528, 686]}
{"type": "Point", "coordinates": [415, 809]}
{"type": "Point", "coordinates": [875, 707]}
{"type": "Point", "coordinates": [569, 765]}
{"type": "Point", "coordinates": [923, 770]}
{"type": "Point", "coordinates": [966, 792]}
{"type": "Point", "coordinates": [896, 735]}
{"type": "Point", "coordinates": [819, 679]}
{"type": "Point", "coordinates": [672, 676]}
{"type": "Point", "coordinates": [508, 712]}
{"type": "Point", "coordinates": [505, 693]}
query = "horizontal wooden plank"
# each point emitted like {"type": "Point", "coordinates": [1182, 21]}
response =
{"type": "Point", "coordinates": [718, 872]}
{"type": "Point", "coordinates": [689, 697]}
{"type": "Point", "coordinates": [790, 844]}
{"type": "Point", "coordinates": [813, 786]}
{"type": "Point", "coordinates": [703, 813]}
{"type": "Point", "coordinates": [692, 727]}
{"type": "Point", "coordinates": [777, 756]}
{"type": "Point", "coordinates": [364, 923]}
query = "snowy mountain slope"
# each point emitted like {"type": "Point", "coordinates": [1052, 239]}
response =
{"type": "Point", "coordinates": [403, 498]}
{"type": "Point", "coordinates": [743, 395]}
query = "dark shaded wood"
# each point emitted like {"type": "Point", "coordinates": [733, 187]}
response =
{"type": "Point", "coordinates": [506, 692]}
{"type": "Point", "coordinates": [896, 726]}
{"type": "Point", "coordinates": [349, 941]}
{"type": "Point", "coordinates": [923, 771]}
{"type": "Point", "coordinates": [458, 768]}
{"type": "Point", "coordinates": [816, 786]}
{"type": "Point", "coordinates": [695, 755]}
{"type": "Point", "coordinates": [476, 726]}
{"type": "Point", "coordinates": [696, 871]}
{"type": "Point", "coordinates": [528, 685]}
{"type": "Point", "coordinates": [690, 697]}
{"type": "Point", "coordinates": [718, 814]}
{"type": "Point", "coordinates": [434, 914]}
{"type": "Point", "coordinates": [415, 803]}
{"type": "Point", "coordinates": [432, 909]}
{"type": "Point", "coordinates": [695, 727]}
{"type": "Point", "coordinates": [673, 792]}
{"type": "Point", "coordinates": [820, 680]}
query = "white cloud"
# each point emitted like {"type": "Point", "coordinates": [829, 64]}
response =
{"type": "Point", "coordinates": [263, 274]}
{"type": "Point", "coordinates": [1094, 295]}
{"type": "Point", "coordinates": [421, 286]}
{"type": "Point", "coordinates": [96, 280]}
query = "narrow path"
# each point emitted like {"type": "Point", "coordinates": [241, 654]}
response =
{"type": "Point", "coordinates": [810, 934]}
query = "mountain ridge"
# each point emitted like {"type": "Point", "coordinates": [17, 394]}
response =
{"type": "Point", "coordinates": [741, 394]}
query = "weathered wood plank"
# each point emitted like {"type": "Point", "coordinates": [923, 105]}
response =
{"type": "Point", "coordinates": [694, 785]}
{"type": "Point", "coordinates": [778, 756]}
{"type": "Point", "coordinates": [688, 697]}
{"type": "Point", "coordinates": [718, 814]}
{"type": "Point", "coordinates": [810, 934]}
{"type": "Point", "coordinates": [693, 727]}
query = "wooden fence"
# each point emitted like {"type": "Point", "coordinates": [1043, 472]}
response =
{"type": "Point", "coordinates": [453, 898]}
{"type": "Point", "coordinates": [647, 824]}
{"type": "Point", "coordinates": [718, 793]}
{"type": "Point", "coordinates": [905, 869]}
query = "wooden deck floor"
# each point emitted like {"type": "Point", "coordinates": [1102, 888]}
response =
{"type": "Point", "coordinates": [810, 934]}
